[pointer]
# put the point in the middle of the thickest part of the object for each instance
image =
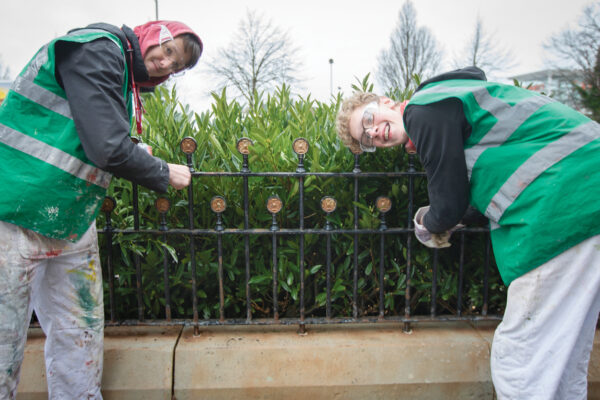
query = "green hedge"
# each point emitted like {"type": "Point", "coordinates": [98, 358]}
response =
{"type": "Point", "coordinates": [273, 124]}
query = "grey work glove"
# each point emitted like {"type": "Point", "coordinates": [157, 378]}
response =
{"type": "Point", "coordinates": [432, 240]}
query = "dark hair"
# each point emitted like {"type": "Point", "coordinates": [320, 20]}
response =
{"type": "Point", "coordinates": [193, 46]}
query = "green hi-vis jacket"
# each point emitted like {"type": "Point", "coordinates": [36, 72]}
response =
{"type": "Point", "coordinates": [534, 170]}
{"type": "Point", "coordinates": [48, 184]}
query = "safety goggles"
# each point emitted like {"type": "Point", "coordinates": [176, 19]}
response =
{"type": "Point", "coordinates": [368, 117]}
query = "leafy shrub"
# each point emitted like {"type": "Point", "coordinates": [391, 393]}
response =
{"type": "Point", "coordinates": [273, 123]}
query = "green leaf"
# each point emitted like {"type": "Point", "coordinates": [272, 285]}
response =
{"type": "Point", "coordinates": [315, 268]}
{"type": "Point", "coordinates": [260, 279]}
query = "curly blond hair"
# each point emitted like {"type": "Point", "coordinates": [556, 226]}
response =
{"type": "Point", "coordinates": [342, 121]}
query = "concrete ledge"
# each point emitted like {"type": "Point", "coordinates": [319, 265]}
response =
{"type": "Point", "coordinates": [443, 360]}
{"type": "Point", "coordinates": [375, 361]}
{"type": "Point", "coordinates": [138, 363]}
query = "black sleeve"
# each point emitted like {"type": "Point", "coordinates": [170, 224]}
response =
{"type": "Point", "coordinates": [438, 131]}
{"type": "Point", "coordinates": [92, 77]}
{"type": "Point", "coordinates": [474, 217]}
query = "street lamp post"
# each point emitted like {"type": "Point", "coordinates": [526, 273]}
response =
{"type": "Point", "coordinates": [331, 76]}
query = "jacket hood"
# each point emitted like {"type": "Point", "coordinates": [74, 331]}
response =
{"type": "Point", "coordinates": [125, 35]}
{"type": "Point", "coordinates": [148, 35]}
{"type": "Point", "coordinates": [463, 73]}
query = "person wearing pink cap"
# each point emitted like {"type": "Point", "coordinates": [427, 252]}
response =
{"type": "Point", "coordinates": [64, 132]}
{"type": "Point", "coordinates": [529, 165]}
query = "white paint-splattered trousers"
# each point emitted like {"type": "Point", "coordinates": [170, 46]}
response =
{"type": "Point", "coordinates": [62, 282]}
{"type": "Point", "coordinates": [541, 350]}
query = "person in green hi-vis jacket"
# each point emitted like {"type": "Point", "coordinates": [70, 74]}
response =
{"type": "Point", "coordinates": [530, 165]}
{"type": "Point", "coordinates": [64, 131]}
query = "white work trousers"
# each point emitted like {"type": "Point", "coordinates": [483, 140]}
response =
{"type": "Point", "coordinates": [62, 282]}
{"type": "Point", "coordinates": [542, 347]}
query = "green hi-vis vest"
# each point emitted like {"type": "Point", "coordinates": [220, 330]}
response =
{"type": "Point", "coordinates": [48, 184]}
{"type": "Point", "coordinates": [533, 167]}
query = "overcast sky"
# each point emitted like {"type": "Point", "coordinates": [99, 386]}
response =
{"type": "Point", "coordinates": [351, 32]}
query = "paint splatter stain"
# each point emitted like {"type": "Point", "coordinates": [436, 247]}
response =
{"type": "Point", "coordinates": [53, 253]}
{"type": "Point", "coordinates": [85, 299]}
{"type": "Point", "coordinates": [51, 213]}
{"type": "Point", "coordinates": [91, 276]}
{"type": "Point", "coordinates": [87, 304]}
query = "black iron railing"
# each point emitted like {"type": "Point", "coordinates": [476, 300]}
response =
{"type": "Point", "coordinates": [274, 231]}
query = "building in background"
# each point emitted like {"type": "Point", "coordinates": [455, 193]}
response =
{"type": "Point", "coordinates": [556, 83]}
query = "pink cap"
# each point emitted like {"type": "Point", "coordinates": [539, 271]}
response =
{"type": "Point", "coordinates": [149, 35]}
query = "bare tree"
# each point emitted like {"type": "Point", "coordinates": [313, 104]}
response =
{"type": "Point", "coordinates": [260, 57]}
{"type": "Point", "coordinates": [413, 50]}
{"type": "Point", "coordinates": [4, 70]}
{"type": "Point", "coordinates": [589, 93]}
{"type": "Point", "coordinates": [482, 51]}
{"type": "Point", "coordinates": [577, 48]}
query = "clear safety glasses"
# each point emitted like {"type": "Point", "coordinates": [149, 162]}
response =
{"type": "Point", "coordinates": [366, 141]}
{"type": "Point", "coordinates": [171, 52]}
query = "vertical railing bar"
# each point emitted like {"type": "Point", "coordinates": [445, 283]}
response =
{"type": "Point", "coordinates": [355, 254]}
{"type": "Point", "coordinates": [136, 257]}
{"type": "Point", "coordinates": [328, 272]}
{"type": "Point", "coordinates": [166, 280]}
{"type": "Point", "coordinates": [242, 148]}
{"type": "Point", "coordinates": [486, 274]}
{"type": "Point", "coordinates": [220, 272]}
{"type": "Point", "coordinates": [136, 227]}
{"type": "Point", "coordinates": [315, 283]}
{"type": "Point", "coordinates": [275, 278]}
{"type": "Point", "coordinates": [381, 275]}
{"type": "Point", "coordinates": [108, 206]}
{"type": "Point", "coordinates": [300, 147]}
{"type": "Point", "coordinates": [407, 298]}
{"type": "Point", "coordinates": [162, 204]}
{"type": "Point", "coordinates": [193, 260]}
{"type": "Point", "coordinates": [382, 228]}
{"type": "Point", "coordinates": [433, 307]}
{"type": "Point", "coordinates": [328, 204]}
{"type": "Point", "coordinates": [461, 269]}
{"type": "Point", "coordinates": [274, 206]}
{"type": "Point", "coordinates": [302, 305]}
{"type": "Point", "coordinates": [247, 246]}
{"type": "Point", "coordinates": [188, 151]}
{"type": "Point", "coordinates": [218, 205]}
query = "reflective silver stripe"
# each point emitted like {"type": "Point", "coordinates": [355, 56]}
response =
{"type": "Point", "coordinates": [24, 86]}
{"type": "Point", "coordinates": [87, 31]}
{"type": "Point", "coordinates": [484, 99]}
{"type": "Point", "coordinates": [54, 156]}
{"type": "Point", "coordinates": [36, 63]}
{"type": "Point", "coordinates": [535, 165]}
{"type": "Point", "coordinates": [43, 97]}
{"type": "Point", "coordinates": [509, 120]}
